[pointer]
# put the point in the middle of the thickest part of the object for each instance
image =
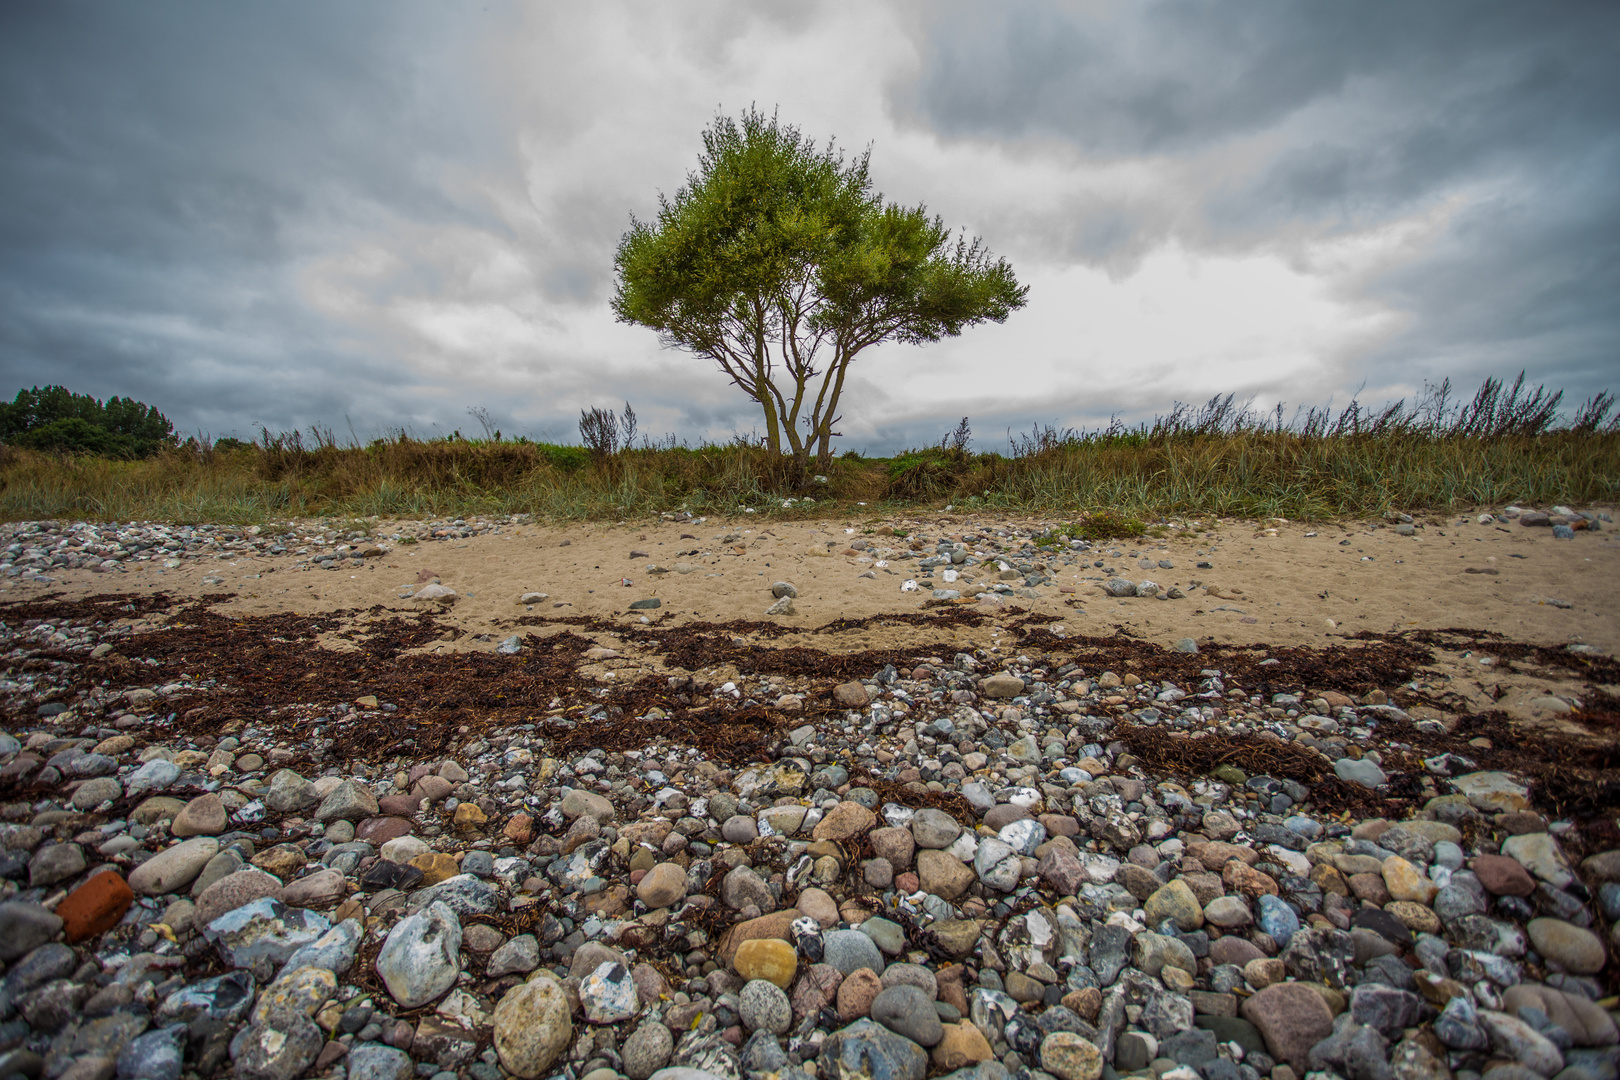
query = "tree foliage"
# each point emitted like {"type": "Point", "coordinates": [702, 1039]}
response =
{"type": "Point", "coordinates": [54, 418]}
{"type": "Point", "coordinates": [779, 262]}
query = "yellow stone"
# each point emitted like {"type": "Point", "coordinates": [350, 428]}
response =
{"type": "Point", "coordinates": [468, 815]}
{"type": "Point", "coordinates": [1406, 882]}
{"type": "Point", "coordinates": [961, 1046]}
{"type": "Point", "coordinates": [366, 701]}
{"type": "Point", "coordinates": [1329, 879]}
{"type": "Point", "coordinates": [767, 958]}
{"type": "Point", "coordinates": [436, 866]}
{"type": "Point", "coordinates": [1415, 917]}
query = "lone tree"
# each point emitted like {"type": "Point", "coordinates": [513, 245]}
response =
{"type": "Point", "coordinates": [780, 263]}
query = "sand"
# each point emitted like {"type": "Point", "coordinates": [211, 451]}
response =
{"type": "Point", "coordinates": [1271, 583]}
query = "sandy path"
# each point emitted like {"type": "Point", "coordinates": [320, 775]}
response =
{"type": "Point", "coordinates": [1272, 583]}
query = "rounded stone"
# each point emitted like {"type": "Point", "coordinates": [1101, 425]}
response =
{"type": "Point", "coordinates": [764, 1007]}
{"type": "Point", "coordinates": [932, 828]}
{"type": "Point", "coordinates": [851, 695]}
{"type": "Point", "coordinates": [1503, 876]}
{"type": "Point", "coordinates": [1228, 912]}
{"type": "Point", "coordinates": [1292, 1018]}
{"type": "Point", "coordinates": [856, 993]}
{"type": "Point", "coordinates": [1176, 902]}
{"type": "Point", "coordinates": [376, 1061]}
{"type": "Point", "coordinates": [1406, 882]}
{"type": "Point", "coordinates": [420, 959]}
{"type": "Point", "coordinates": [173, 867]}
{"type": "Point", "coordinates": [1002, 685]}
{"type": "Point", "coordinates": [203, 816]}
{"type": "Point", "coordinates": [233, 890]}
{"type": "Point", "coordinates": [1417, 918]}
{"type": "Point", "coordinates": [532, 1026]}
{"type": "Point", "coordinates": [851, 950]}
{"type": "Point", "coordinates": [93, 792]}
{"type": "Point", "coordinates": [1067, 1055]}
{"type": "Point", "coordinates": [55, 862]}
{"type": "Point", "coordinates": [662, 886]}
{"type": "Point", "coordinates": [647, 1049]}
{"type": "Point", "coordinates": [906, 1010]}
{"type": "Point", "coordinates": [770, 959]}
{"type": "Point", "coordinates": [24, 927]}
{"type": "Point", "coordinates": [843, 822]}
{"type": "Point", "coordinates": [943, 874]}
{"type": "Point", "coordinates": [960, 1046]}
{"type": "Point", "coordinates": [1577, 951]}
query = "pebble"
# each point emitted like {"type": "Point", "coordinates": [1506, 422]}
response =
{"type": "Point", "coordinates": [418, 960]}
{"type": "Point", "coordinates": [850, 950]}
{"type": "Point", "coordinates": [531, 1026]}
{"type": "Point", "coordinates": [907, 1010]}
{"type": "Point", "coordinates": [1574, 949]}
{"type": "Point", "coordinates": [764, 1007]}
{"type": "Point", "coordinates": [1072, 913]}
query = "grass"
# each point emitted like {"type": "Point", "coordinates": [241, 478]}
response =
{"type": "Point", "coordinates": [1506, 445]}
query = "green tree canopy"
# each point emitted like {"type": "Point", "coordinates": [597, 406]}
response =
{"type": "Point", "coordinates": [54, 418]}
{"type": "Point", "coordinates": [780, 263]}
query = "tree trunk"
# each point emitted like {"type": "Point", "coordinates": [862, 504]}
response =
{"type": "Point", "coordinates": [829, 415]}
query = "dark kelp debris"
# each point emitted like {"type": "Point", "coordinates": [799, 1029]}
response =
{"type": "Point", "coordinates": [306, 671]}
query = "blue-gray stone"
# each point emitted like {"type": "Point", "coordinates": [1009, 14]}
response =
{"type": "Point", "coordinates": [984, 1070]}
{"type": "Point", "coordinates": [867, 1051]}
{"type": "Point", "coordinates": [376, 1061]}
{"type": "Point", "coordinates": [463, 894]}
{"type": "Point", "coordinates": [1193, 1047]}
{"type": "Point", "coordinates": [1359, 771]}
{"type": "Point", "coordinates": [851, 950]}
{"type": "Point", "coordinates": [156, 775]}
{"type": "Point", "coordinates": [223, 997]}
{"type": "Point", "coordinates": [1307, 827]}
{"type": "Point", "coordinates": [478, 863]}
{"type": "Point", "coordinates": [1454, 902]}
{"type": "Point", "coordinates": [908, 1011]}
{"type": "Point", "coordinates": [25, 926]}
{"type": "Point", "coordinates": [1110, 950]}
{"type": "Point", "coordinates": [334, 950]}
{"type": "Point", "coordinates": [1277, 919]}
{"type": "Point", "coordinates": [264, 929]}
{"type": "Point", "coordinates": [1457, 1027]}
{"type": "Point", "coordinates": [157, 1055]}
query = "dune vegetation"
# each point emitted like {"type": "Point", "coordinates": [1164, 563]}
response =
{"type": "Point", "coordinates": [1507, 444]}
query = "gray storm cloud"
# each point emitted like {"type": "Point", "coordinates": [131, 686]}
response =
{"type": "Point", "coordinates": [381, 214]}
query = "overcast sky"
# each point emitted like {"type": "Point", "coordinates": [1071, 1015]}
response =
{"type": "Point", "coordinates": [378, 214]}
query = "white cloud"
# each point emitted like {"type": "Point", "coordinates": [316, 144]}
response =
{"type": "Point", "coordinates": [429, 220]}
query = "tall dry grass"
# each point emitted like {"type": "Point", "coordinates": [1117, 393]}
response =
{"type": "Point", "coordinates": [1507, 444]}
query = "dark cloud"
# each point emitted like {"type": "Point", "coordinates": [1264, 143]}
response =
{"type": "Point", "coordinates": [383, 213]}
{"type": "Point", "coordinates": [170, 166]}
{"type": "Point", "coordinates": [1339, 117]}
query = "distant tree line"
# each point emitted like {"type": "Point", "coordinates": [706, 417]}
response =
{"type": "Point", "coordinates": [55, 419]}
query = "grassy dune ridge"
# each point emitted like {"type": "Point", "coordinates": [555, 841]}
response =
{"type": "Point", "coordinates": [1504, 447]}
